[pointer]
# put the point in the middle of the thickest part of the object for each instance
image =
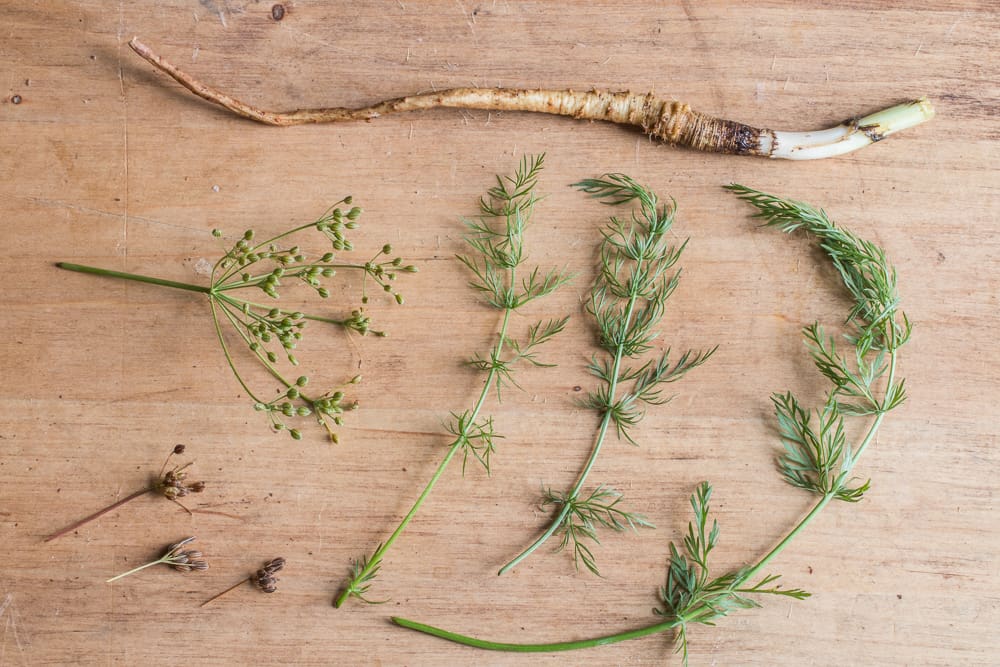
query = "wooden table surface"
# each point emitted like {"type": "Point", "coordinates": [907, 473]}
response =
{"type": "Point", "coordinates": [107, 162]}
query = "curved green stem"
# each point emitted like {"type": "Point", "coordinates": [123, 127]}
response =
{"type": "Point", "coordinates": [699, 613]}
{"type": "Point", "coordinates": [537, 648]}
{"type": "Point", "coordinates": [375, 561]}
{"type": "Point", "coordinates": [80, 268]}
{"type": "Point", "coordinates": [225, 349]}
{"type": "Point", "coordinates": [829, 495]}
{"type": "Point", "coordinates": [601, 435]}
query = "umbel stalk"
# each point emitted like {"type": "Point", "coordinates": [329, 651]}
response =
{"type": "Point", "coordinates": [80, 268]}
{"type": "Point", "coordinates": [669, 121]}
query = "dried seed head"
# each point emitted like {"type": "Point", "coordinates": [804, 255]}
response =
{"type": "Point", "coordinates": [187, 560]}
{"type": "Point", "coordinates": [264, 578]}
{"type": "Point", "coordinates": [179, 449]}
{"type": "Point", "coordinates": [274, 565]}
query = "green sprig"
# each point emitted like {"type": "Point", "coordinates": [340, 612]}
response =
{"type": "Point", "coordinates": [817, 456]}
{"type": "Point", "coordinates": [497, 240]}
{"type": "Point", "coordinates": [636, 277]}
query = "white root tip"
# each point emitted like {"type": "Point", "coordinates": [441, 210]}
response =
{"type": "Point", "coordinates": [851, 135]}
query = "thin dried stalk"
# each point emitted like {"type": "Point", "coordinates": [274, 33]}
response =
{"type": "Point", "coordinates": [669, 121]}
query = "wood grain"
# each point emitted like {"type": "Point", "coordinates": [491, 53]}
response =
{"type": "Point", "coordinates": [106, 162]}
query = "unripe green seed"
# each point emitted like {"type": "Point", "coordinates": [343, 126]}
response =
{"type": "Point", "coordinates": [295, 434]}
{"type": "Point", "coordinates": [302, 381]}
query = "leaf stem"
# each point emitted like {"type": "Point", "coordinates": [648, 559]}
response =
{"type": "Point", "coordinates": [537, 648]}
{"type": "Point", "coordinates": [829, 495]}
{"type": "Point", "coordinates": [70, 528]}
{"type": "Point", "coordinates": [134, 570]}
{"type": "Point", "coordinates": [601, 435]}
{"type": "Point", "coordinates": [375, 561]}
{"type": "Point", "coordinates": [80, 268]}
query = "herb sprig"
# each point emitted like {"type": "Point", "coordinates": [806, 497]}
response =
{"type": "Point", "coordinates": [496, 238]}
{"type": "Point", "coordinates": [273, 332]}
{"type": "Point", "coordinates": [628, 300]}
{"type": "Point", "coordinates": [817, 456]}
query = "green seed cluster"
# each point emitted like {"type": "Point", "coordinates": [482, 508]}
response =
{"type": "Point", "coordinates": [328, 408]}
{"type": "Point", "coordinates": [271, 332]}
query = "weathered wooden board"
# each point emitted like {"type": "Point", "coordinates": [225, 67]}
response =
{"type": "Point", "coordinates": [107, 162]}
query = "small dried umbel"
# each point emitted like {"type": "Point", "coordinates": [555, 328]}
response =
{"type": "Point", "coordinates": [175, 556]}
{"type": "Point", "coordinates": [263, 579]}
{"type": "Point", "coordinates": [271, 334]}
{"type": "Point", "coordinates": [171, 484]}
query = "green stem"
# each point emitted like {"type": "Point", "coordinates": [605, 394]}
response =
{"type": "Point", "coordinates": [225, 348]}
{"type": "Point", "coordinates": [700, 613]}
{"type": "Point", "coordinates": [828, 496]}
{"type": "Point", "coordinates": [602, 433]}
{"type": "Point", "coordinates": [293, 272]}
{"type": "Point", "coordinates": [263, 306]}
{"type": "Point", "coordinates": [246, 339]}
{"type": "Point", "coordinates": [537, 648]}
{"type": "Point", "coordinates": [133, 276]}
{"type": "Point", "coordinates": [134, 570]}
{"type": "Point", "coordinates": [375, 561]}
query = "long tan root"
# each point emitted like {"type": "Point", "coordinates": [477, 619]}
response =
{"type": "Point", "coordinates": [669, 121]}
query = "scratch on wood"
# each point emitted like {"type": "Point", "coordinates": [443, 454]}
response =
{"type": "Point", "coordinates": [952, 28]}
{"type": "Point", "coordinates": [96, 211]}
{"type": "Point", "coordinates": [10, 623]}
